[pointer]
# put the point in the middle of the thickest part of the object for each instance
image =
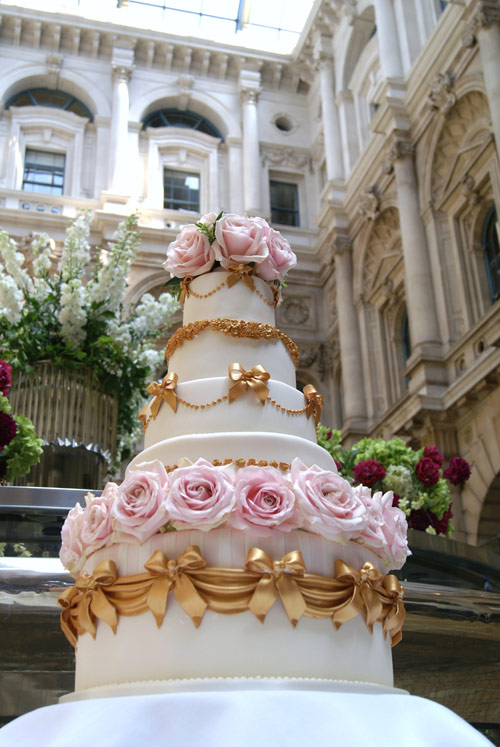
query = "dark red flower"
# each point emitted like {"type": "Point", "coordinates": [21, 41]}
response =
{"type": "Point", "coordinates": [5, 378]}
{"type": "Point", "coordinates": [395, 500]}
{"type": "Point", "coordinates": [3, 468]}
{"type": "Point", "coordinates": [419, 520]}
{"type": "Point", "coordinates": [369, 472]}
{"type": "Point", "coordinates": [329, 433]}
{"type": "Point", "coordinates": [442, 525]}
{"type": "Point", "coordinates": [427, 471]}
{"type": "Point", "coordinates": [8, 429]}
{"type": "Point", "coordinates": [433, 453]}
{"type": "Point", "coordinates": [338, 465]}
{"type": "Point", "coordinates": [458, 471]}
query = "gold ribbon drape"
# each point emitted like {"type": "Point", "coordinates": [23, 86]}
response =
{"type": "Point", "coordinates": [243, 273]}
{"type": "Point", "coordinates": [185, 283]}
{"type": "Point", "coordinates": [164, 392]}
{"type": "Point", "coordinates": [243, 380]}
{"type": "Point", "coordinates": [314, 403]}
{"type": "Point", "coordinates": [104, 597]}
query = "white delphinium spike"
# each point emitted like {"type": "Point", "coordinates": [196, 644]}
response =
{"type": "Point", "coordinates": [152, 316]}
{"type": "Point", "coordinates": [11, 298]}
{"type": "Point", "coordinates": [76, 250]}
{"type": "Point", "coordinates": [13, 261]}
{"type": "Point", "coordinates": [72, 315]}
{"type": "Point", "coordinates": [41, 248]}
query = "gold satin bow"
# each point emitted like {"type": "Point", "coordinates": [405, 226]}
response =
{"type": "Point", "coordinates": [164, 392]}
{"type": "Point", "coordinates": [185, 282]}
{"type": "Point", "coordinates": [276, 577]}
{"type": "Point", "coordinates": [397, 614]}
{"type": "Point", "coordinates": [241, 272]}
{"type": "Point", "coordinates": [254, 378]}
{"type": "Point", "coordinates": [365, 593]}
{"type": "Point", "coordinates": [315, 403]}
{"type": "Point", "coordinates": [89, 598]}
{"type": "Point", "coordinates": [170, 574]}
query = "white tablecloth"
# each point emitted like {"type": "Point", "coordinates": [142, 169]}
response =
{"type": "Point", "coordinates": [256, 717]}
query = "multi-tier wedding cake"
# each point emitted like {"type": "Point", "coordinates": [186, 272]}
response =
{"type": "Point", "coordinates": [232, 507]}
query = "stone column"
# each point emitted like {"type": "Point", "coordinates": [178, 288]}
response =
{"type": "Point", "coordinates": [418, 278]}
{"type": "Point", "coordinates": [250, 90]}
{"type": "Point", "coordinates": [485, 27]}
{"type": "Point", "coordinates": [122, 67]}
{"type": "Point", "coordinates": [388, 44]}
{"type": "Point", "coordinates": [349, 337]}
{"type": "Point", "coordinates": [331, 128]}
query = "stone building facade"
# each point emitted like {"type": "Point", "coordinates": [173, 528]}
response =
{"type": "Point", "coordinates": [373, 147]}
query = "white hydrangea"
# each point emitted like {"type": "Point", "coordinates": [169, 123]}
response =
{"type": "Point", "coordinates": [72, 315]}
{"type": "Point", "coordinates": [151, 358]}
{"type": "Point", "coordinates": [11, 298]}
{"type": "Point", "coordinates": [76, 250]}
{"type": "Point", "coordinates": [152, 316]}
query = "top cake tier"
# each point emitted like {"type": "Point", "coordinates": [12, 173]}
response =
{"type": "Point", "coordinates": [210, 297]}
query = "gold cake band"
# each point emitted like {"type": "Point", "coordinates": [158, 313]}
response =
{"type": "Point", "coordinates": [233, 328]}
{"type": "Point", "coordinates": [104, 596]}
{"type": "Point", "coordinates": [283, 466]}
{"type": "Point", "coordinates": [238, 273]}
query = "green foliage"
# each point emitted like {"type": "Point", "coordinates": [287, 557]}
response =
{"type": "Point", "coordinates": [24, 450]}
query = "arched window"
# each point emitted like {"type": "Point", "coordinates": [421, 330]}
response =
{"type": "Point", "coordinates": [492, 253]}
{"type": "Point", "coordinates": [49, 97]}
{"type": "Point", "coordinates": [177, 118]}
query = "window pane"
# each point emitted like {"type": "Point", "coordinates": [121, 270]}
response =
{"type": "Point", "coordinates": [181, 190]}
{"type": "Point", "coordinates": [44, 172]}
{"type": "Point", "coordinates": [284, 203]}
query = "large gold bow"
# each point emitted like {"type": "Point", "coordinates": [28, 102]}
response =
{"type": "Point", "coordinates": [241, 272]}
{"type": "Point", "coordinates": [87, 596]}
{"type": "Point", "coordinates": [396, 617]}
{"type": "Point", "coordinates": [254, 378]}
{"type": "Point", "coordinates": [171, 574]}
{"type": "Point", "coordinates": [185, 282]}
{"type": "Point", "coordinates": [315, 403]}
{"type": "Point", "coordinates": [366, 585]}
{"type": "Point", "coordinates": [276, 577]}
{"type": "Point", "coordinates": [164, 392]}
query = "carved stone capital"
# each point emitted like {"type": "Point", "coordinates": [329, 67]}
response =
{"type": "Point", "coordinates": [401, 149]}
{"type": "Point", "coordinates": [122, 73]}
{"type": "Point", "coordinates": [369, 202]}
{"type": "Point", "coordinates": [342, 244]}
{"type": "Point", "coordinates": [441, 96]}
{"type": "Point", "coordinates": [323, 52]}
{"type": "Point", "coordinates": [487, 13]}
{"type": "Point", "coordinates": [250, 95]}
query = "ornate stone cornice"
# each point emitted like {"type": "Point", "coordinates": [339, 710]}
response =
{"type": "Point", "coordinates": [441, 96]}
{"type": "Point", "coordinates": [285, 155]}
{"type": "Point", "coordinates": [487, 13]}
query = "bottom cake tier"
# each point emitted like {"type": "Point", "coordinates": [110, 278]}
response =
{"type": "Point", "coordinates": [232, 645]}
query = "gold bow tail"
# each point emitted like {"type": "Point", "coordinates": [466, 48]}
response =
{"type": "Point", "coordinates": [276, 578]}
{"type": "Point", "coordinates": [394, 620]}
{"type": "Point", "coordinates": [314, 403]}
{"type": "Point", "coordinates": [170, 574]}
{"type": "Point", "coordinates": [66, 601]}
{"type": "Point", "coordinates": [363, 598]}
{"type": "Point", "coordinates": [243, 380]}
{"type": "Point", "coordinates": [164, 392]}
{"type": "Point", "coordinates": [93, 601]}
{"type": "Point", "coordinates": [241, 272]}
{"type": "Point", "coordinates": [144, 418]}
{"type": "Point", "coordinates": [185, 292]}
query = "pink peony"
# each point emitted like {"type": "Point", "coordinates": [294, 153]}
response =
{"type": "Point", "coordinates": [5, 378]}
{"type": "Point", "coordinates": [139, 509]}
{"type": "Point", "coordinates": [264, 501]}
{"type": "Point", "coordinates": [394, 529]}
{"type": "Point", "coordinates": [372, 533]}
{"type": "Point", "coordinates": [239, 240]}
{"type": "Point", "coordinates": [72, 553]}
{"type": "Point", "coordinates": [279, 260]}
{"type": "Point", "coordinates": [8, 429]}
{"type": "Point", "coordinates": [427, 472]}
{"type": "Point", "coordinates": [368, 472]}
{"type": "Point", "coordinates": [458, 472]}
{"type": "Point", "coordinates": [190, 253]}
{"type": "Point", "coordinates": [97, 526]}
{"type": "Point", "coordinates": [328, 503]}
{"type": "Point", "coordinates": [433, 453]}
{"type": "Point", "coordinates": [201, 496]}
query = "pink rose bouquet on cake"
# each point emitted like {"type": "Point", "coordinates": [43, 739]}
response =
{"type": "Point", "coordinates": [200, 496]}
{"type": "Point", "coordinates": [139, 509]}
{"type": "Point", "coordinates": [264, 501]}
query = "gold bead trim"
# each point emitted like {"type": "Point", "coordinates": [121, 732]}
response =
{"type": "Point", "coordinates": [283, 466]}
{"type": "Point", "coordinates": [187, 291]}
{"type": "Point", "coordinates": [232, 328]}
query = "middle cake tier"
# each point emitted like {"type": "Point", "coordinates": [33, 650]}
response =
{"type": "Point", "coordinates": [203, 406]}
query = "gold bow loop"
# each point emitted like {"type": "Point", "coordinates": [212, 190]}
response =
{"type": "Point", "coordinates": [365, 586]}
{"type": "Point", "coordinates": [394, 621]}
{"type": "Point", "coordinates": [185, 292]}
{"type": "Point", "coordinates": [277, 577]}
{"type": "Point", "coordinates": [170, 574]}
{"type": "Point", "coordinates": [93, 601]}
{"type": "Point", "coordinates": [243, 380]}
{"type": "Point", "coordinates": [241, 272]}
{"type": "Point", "coordinates": [314, 403]}
{"type": "Point", "coordinates": [164, 392]}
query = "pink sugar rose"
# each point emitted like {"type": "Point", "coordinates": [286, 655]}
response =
{"type": "Point", "coordinates": [264, 501]}
{"type": "Point", "coordinates": [279, 260]}
{"type": "Point", "coordinates": [139, 509]}
{"type": "Point", "coordinates": [394, 529]}
{"type": "Point", "coordinates": [329, 505]}
{"type": "Point", "coordinates": [97, 526]}
{"type": "Point", "coordinates": [72, 553]}
{"type": "Point", "coordinates": [189, 254]}
{"type": "Point", "coordinates": [372, 534]}
{"type": "Point", "coordinates": [201, 496]}
{"type": "Point", "coordinates": [239, 240]}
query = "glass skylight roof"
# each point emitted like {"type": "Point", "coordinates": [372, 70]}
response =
{"type": "Point", "coordinates": [267, 25]}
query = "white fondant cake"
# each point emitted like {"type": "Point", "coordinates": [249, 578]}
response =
{"type": "Point", "coordinates": [260, 437]}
